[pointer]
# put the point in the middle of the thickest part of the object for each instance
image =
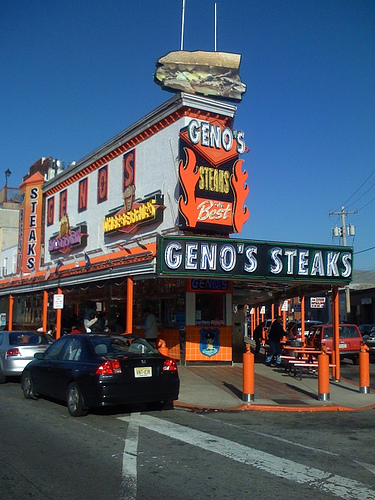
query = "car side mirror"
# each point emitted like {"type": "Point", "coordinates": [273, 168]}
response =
{"type": "Point", "coordinates": [39, 355]}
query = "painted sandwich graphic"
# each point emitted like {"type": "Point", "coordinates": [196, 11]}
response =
{"type": "Point", "coordinates": [213, 74]}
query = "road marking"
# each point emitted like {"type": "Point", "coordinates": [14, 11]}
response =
{"type": "Point", "coordinates": [339, 486]}
{"type": "Point", "coordinates": [129, 459]}
{"type": "Point", "coordinates": [276, 438]}
{"type": "Point", "coordinates": [367, 466]}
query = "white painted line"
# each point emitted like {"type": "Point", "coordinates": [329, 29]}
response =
{"type": "Point", "coordinates": [338, 486]}
{"type": "Point", "coordinates": [129, 459]}
{"type": "Point", "coordinates": [367, 466]}
{"type": "Point", "coordinates": [276, 438]}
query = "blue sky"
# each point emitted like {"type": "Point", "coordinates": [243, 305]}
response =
{"type": "Point", "coordinates": [75, 73]}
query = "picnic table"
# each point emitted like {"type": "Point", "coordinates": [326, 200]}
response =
{"type": "Point", "coordinates": [301, 359]}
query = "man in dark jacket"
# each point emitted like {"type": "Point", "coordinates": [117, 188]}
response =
{"type": "Point", "coordinates": [274, 338]}
{"type": "Point", "coordinates": [258, 336]}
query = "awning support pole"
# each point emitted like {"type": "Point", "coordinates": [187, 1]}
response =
{"type": "Point", "coordinates": [129, 304]}
{"type": "Point", "coordinates": [10, 313]}
{"type": "Point", "coordinates": [302, 298]}
{"type": "Point", "coordinates": [335, 330]}
{"type": "Point", "coordinates": [58, 318]}
{"type": "Point", "coordinates": [45, 310]}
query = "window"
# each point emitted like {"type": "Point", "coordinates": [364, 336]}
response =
{"type": "Point", "coordinates": [210, 309]}
{"type": "Point", "coordinates": [63, 203]}
{"type": "Point", "coordinates": [53, 352]}
{"type": "Point", "coordinates": [73, 350]}
{"type": "Point", "coordinates": [50, 211]}
{"type": "Point", "coordinates": [5, 266]}
{"type": "Point", "coordinates": [328, 332]}
{"type": "Point", "coordinates": [103, 184]}
{"type": "Point", "coordinates": [82, 195]}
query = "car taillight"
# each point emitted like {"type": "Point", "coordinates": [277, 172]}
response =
{"type": "Point", "coordinates": [13, 352]}
{"type": "Point", "coordinates": [170, 365]}
{"type": "Point", "coordinates": [109, 368]}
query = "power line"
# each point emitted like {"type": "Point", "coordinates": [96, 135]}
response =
{"type": "Point", "coordinates": [363, 251]}
{"type": "Point", "coordinates": [362, 195]}
{"type": "Point", "coordinates": [364, 206]}
{"type": "Point", "coordinates": [360, 187]}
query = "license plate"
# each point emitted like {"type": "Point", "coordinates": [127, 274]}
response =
{"type": "Point", "coordinates": [142, 371]}
{"type": "Point", "coordinates": [342, 346]}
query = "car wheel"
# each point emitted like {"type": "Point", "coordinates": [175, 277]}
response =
{"type": "Point", "coordinates": [355, 360]}
{"type": "Point", "coordinates": [3, 378]}
{"type": "Point", "coordinates": [27, 386]}
{"type": "Point", "coordinates": [74, 399]}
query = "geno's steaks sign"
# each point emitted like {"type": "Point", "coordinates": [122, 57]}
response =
{"type": "Point", "coordinates": [253, 259]}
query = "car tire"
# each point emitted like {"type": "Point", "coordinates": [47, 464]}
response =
{"type": "Point", "coordinates": [27, 386]}
{"type": "Point", "coordinates": [355, 360]}
{"type": "Point", "coordinates": [3, 378]}
{"type": "Point", "coordinates": [74, 401]}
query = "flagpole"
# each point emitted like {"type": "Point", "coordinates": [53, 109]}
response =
{"type": "Point", "coordinates": [182, 25]}
{"type": "Point", "coordinates": [215, 26]}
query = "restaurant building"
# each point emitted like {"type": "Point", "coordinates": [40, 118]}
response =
{"type": "Point", "coordinates": [151, 219]}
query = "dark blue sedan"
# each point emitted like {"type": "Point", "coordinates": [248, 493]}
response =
{"type": "Point", "coordinates": [90, 371]}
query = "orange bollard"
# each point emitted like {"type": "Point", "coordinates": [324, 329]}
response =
{"type": "Point", "coordinates": [248, 376]}
{"type": "Point", "coordinates": [162, 347]}
{"type": "Point", "coordinates": [323, 377]}
{"type": "Point", "coordinates": [364, 370]}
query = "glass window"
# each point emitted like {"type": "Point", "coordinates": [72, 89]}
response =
{"type": "Point", "coordinates": [73, 350]}
{"type": "Point", "coordinates": [210, 309]}
{"type": "Point", "coordinates": [54, 350]}
{"type": "Point", "coordinates": [348, 332]}
{"type": "Point", "coordinates": [328, 332]}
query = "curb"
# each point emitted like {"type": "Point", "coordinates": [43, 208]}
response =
{"type": "Point", "coordinates": [274, 408]}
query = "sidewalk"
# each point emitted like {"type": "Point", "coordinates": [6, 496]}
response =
{"type": "Point", "coordinates": [220, 388]}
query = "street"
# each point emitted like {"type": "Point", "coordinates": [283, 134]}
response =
{"type": "Point", "coordinates": [128, 453]}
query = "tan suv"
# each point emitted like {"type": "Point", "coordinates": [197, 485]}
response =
{"type": "Point", "coordinates": [350, 340]}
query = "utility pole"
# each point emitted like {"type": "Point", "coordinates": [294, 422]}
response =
{"type": "Point", "coordinates": [342, 232]}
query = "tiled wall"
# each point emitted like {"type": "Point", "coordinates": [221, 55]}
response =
{"type": "Point", "coordinates": [193, 339]}
{"type": "Point", "coordinates": [172, 339]}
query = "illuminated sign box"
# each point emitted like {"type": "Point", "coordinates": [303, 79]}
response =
{"type": "Point", "coordinates": [209, 285]}
{"type": "Point", "coordinates": [73, 238]}
{"type": "Point", "coordinates": [231, 258]}
{"type": "Point", "coordinates": [145, 212]}
{"type": "Point", "coordinates": [212, 181]}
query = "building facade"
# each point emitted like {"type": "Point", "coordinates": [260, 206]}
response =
{"type": "Point", "coordinates": [151, 219]}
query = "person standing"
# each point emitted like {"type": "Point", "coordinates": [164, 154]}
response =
{"type": "Point", "coordinates": [275, 335]}
{"type": "Point", "coordinates": [258, 336]}
{"type": "Point", "coordinates": [150, 326]}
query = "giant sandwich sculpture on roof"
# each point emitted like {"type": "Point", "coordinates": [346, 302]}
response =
{"type": "Point", "coordinates": [212, 74]}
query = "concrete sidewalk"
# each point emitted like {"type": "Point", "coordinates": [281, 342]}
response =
{"type": "Point", "coordinates": [220, 388]}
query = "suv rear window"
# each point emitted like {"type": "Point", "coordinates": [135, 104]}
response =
{"type": "Point", "coordinates": [348, 332]}
{"type": "Point", "coordinates": [345, 332]}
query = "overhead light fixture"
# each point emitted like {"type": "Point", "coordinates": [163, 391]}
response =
{"type": "Point", "coordinates": [123, 247]}
{"type": "Point", "coordinates": [141, 245]}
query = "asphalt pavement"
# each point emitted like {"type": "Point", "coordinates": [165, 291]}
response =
{"type": "Point", "coordinates": [215, 387]}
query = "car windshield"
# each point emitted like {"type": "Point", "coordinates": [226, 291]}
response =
{"type": "Point", "coordinates": [121, 345]}
{"type": "Point", "coordinates": [26, 338]}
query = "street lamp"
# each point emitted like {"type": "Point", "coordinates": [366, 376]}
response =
{"type": "Point", "coordinates": [7, 174]}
